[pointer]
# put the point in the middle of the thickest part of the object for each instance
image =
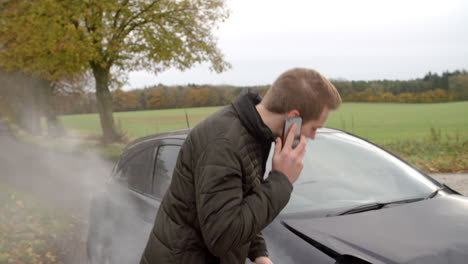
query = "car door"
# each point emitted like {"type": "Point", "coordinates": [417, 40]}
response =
{"type": "Point", "coordinates": [129, 207]}
{"type": "Point", "coordinates": [149, 175]}
{"type": "Point", "coordinates": [138, 171]}
{"type": "Point", "coordinates": [165, 163]}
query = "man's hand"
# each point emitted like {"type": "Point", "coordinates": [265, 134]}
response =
{"type": "Point", "coordinates": [263, 260]}
{"type": "Point", "coordinates": [287, 160]}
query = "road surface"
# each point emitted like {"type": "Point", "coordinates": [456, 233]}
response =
{"type": "Point", "coordinates": [457, 181]}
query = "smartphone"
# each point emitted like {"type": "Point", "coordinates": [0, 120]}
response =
{"type": "Point", "coordinates": [287, 126]}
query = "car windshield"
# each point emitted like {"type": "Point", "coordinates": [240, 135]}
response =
{"type": "Point", "coordinates": [342, 171]}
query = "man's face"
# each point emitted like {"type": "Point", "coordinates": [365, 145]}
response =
{"type": "Point", "coordinates": [310, 128]}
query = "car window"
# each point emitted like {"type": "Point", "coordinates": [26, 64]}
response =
{"type": "Point", "coordinates": [137, 170]}
{"type": "Point", "coordinates": [342, 171]}
{"type": "Point", "coordinates": [165, 164]}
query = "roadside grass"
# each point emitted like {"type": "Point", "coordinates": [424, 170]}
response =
{"type": "Point", "coordinates": [433, 156]}
{"type": "Point", "coordinates": [29, 230]}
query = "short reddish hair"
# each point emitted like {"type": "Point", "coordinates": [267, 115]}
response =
{"type": "Point", "coordinates": [305, 90]}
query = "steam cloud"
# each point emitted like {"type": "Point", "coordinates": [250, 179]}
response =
{"type": "Point", "coordinates": [65, 180]}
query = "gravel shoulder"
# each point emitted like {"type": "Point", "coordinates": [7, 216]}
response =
{"type": "Point", "coordinates": [456, 181]}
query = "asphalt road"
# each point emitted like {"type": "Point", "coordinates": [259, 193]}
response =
{"type": "Point", "coordinates": [456, 181]}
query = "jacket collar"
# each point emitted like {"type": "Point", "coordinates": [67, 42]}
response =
{"type": "Point", "coordinates": [244, 104]}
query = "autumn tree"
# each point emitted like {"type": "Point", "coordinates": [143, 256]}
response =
{"type": "Point", "coordinates": [198, 96]}
{"type": "Point", "coordinates": [387, 97]}
{"type": "Point", "coordinates": [156, 100]}
{"type": "Point", "coordinates": [458, 85]}
{"type": "Point", "coordinates": [124, 101]}
{"type": "Point", "coordinates": [36, 46]}
{"type": "Point", "coordinates": [143, 97]}
{"type": "Point", "coordinates": [22, 101]}
{"type": "Point", "coordinates": [105, 35]}
{"type": "Point", "coordinates": [169, 97]}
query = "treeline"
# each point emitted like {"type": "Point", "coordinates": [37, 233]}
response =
{"type": "Point", "coordinates": [156, 97]}
{"type": "Point", "coordinates": [432, 88]}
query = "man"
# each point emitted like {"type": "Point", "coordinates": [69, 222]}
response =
{"type": "Point", "coordinates": [218, 202]}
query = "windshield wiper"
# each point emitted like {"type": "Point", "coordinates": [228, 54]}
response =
{"type": "Point", "coordinates": [434, 193]}
{"type": "Point", "coordinates": [376, 206]}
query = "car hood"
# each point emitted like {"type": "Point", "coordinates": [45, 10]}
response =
{"type": "Point", "coordinates": [430, 231]}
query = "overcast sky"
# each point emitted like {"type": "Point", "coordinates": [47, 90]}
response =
{"type": "Point", "coordinates": [354, 40]}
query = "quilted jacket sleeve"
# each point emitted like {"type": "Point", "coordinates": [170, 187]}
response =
{"type": "Point", "coordinates": [258, 248]}
{"type": "Point", "coordinates": [227, 218]}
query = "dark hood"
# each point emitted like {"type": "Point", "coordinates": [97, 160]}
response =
{"type": "Point", "coordinates": [431, 231]}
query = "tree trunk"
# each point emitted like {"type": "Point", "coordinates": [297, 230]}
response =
{"type": "Point", "coordinates": [28, 107]}
{"type": "Point", "coordinates": [54, 126]}
{"type": "Point", "coordinates": [104, 103]}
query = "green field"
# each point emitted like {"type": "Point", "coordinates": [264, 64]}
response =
{"type": "Point", "coordinates": [382, 123]}
{"type": "Point", "coordinates": [140, 123]}
{"type": "Point", "coordinates": [385, 123]}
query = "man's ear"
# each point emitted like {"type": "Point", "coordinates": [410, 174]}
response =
{"type": "Point", "coordinates": [293, 113]}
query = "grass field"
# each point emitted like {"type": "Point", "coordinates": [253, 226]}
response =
{"type": "Point", "coordinates": [382, 123]}
{"type": "Point", "coordinates": [434, 137]}
{"type": "Point", "coordinates": [386, 123]}
{"type": "Point", "coordinates": [140, 123]}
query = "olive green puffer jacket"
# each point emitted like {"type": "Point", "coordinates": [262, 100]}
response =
{"type": "Point", "coordinates": [218, 203]}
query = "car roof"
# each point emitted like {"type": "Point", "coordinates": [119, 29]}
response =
{"type": "Point", "coordinates": [177, 134]}
{"type": "Point", "coordinates": [139, 144]}
{"type": "Point", "coordinates": [144, 142]}
{"type": "Point", "coordinates": [182, 134]}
